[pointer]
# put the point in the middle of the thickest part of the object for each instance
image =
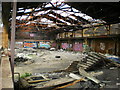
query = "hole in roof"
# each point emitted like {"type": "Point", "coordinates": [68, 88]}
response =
{"type": "Point", "coordinates": [23, 17]}
{"type": "Point", "coordinates": [65, 11]}
{"type": "Point", "coordinates": [37, 9]}
{"type": "Point", "coordinates": [28, 10]}
{"type": "Point", "coordinates": [18, 17]}
{"type": "Point", "coordinates": [57, 2]}
{"type": "Point", "coordinates": [41, 12]}
{"type": "Point", "coordinates": [48, 5]}
{"type": "Point", "coordinates": [20, 8]}
{"type": "Point", "coordinates": [65, 6]}
{"type": "Point", "coordinates": [20, 11]}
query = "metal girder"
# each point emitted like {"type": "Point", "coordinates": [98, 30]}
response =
{"type": "Point", "coordinates": [13, 35]}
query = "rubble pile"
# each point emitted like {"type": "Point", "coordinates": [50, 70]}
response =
{"type": "Point", "coordinates": [20, 59]}
{"type": "Point", "coordinates": [90, 61]}
{"type": "Point", "coordinates": [24, 56]}
{"type": "Point", "coordinates": [93, 61]}
{"type": "Point", "coordinates": [60, 80]}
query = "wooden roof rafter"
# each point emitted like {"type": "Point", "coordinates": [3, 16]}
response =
{"type": "Point", "coordinates": [57, 19]}
{"type": "Point", "coordinates": [58, 15]}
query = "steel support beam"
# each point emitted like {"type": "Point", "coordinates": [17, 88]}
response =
{"type": "Point", "coordinates": [13, 35]}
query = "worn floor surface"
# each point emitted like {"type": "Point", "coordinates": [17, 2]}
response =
{"type": "Point", "coordinates": [45, 61]}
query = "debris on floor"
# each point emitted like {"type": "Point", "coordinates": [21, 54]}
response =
{"type": "Point", "coordinates": [113, 58]}
{"type": "Point", "coordinates": [85, 71]}
{"type": "Point", "coordinates": [24, 61]}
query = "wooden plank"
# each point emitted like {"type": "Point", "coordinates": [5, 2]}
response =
{"type": "Point", "coordinates": [36, 81]}
{"type": "Point", "coordinates": [89, 76]}
{"type": "Point", "coordinates": [57, 82]}
{"type": "Point", "coordinates": [70, 84]}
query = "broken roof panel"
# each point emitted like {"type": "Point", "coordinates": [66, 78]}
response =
{"type": "Point", "coordinates": [37, 9]}
{"type": "Point", "coordinates": [45, 20]}
{"type": "Point", "coordinates": [23, 17]}
{"type": "Point", "coordinates": [20, 11]}
{"type": "Point", "coordinates": [57, 12]}
{"type": "Point", "coordinates": [41, 12]}
{"type": "Point", "coordinates": [28, 10]}
{"type": "Point", "coordinates": [18, 17]}
{"type": "Point", "coordinates": [59, 19]}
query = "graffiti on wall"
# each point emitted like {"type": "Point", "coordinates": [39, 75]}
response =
{"type": "Point", "coordinates": [65, 45]}
{"type": "Point", "coordinates": [44, 45]}
{"type": "Point", "coordinates": [77, 47]}
{"type": "Point", "coordinates": [54, 44]}
{"type": "Point", "coordinates": [102, 46]}
{"type": "Point", "coordinates": [30, 45]}
{"type": "Point", "coordinates": [18, 44]}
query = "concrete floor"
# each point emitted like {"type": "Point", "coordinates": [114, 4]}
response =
{"type": "Point", "coordinates": [45, 61]}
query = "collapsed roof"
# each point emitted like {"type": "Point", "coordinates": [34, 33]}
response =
{"type": "Point", "coordinates": [57, 15]}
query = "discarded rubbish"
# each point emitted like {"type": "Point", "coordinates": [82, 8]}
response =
{"type": "Point", "coordinates": [85, 74]}
{"type": "Point", "coordinates": [57, 56]}
{"type": "Point", "coordinates": [84, 71]}
{"type": "Point", "coordinates": [75, 76]}
{"type": "Point", "coordinates": [70, 84]}
{"type": "Point", "coordinates": [52, 49]}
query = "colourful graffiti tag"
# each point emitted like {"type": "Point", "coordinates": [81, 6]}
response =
{"type": "Point", "coordinates": [77, 47]}
{"type": "Point", "coordinates": [18, 44]}
{"type": "Point", "coordinates": [65, 45]}
{"type": "Point", "coordinates": [54, 44]}
{"type": "Point", "coordinates": [30, 45]}
{"type": "Point", "coordinates": [44, 44]}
